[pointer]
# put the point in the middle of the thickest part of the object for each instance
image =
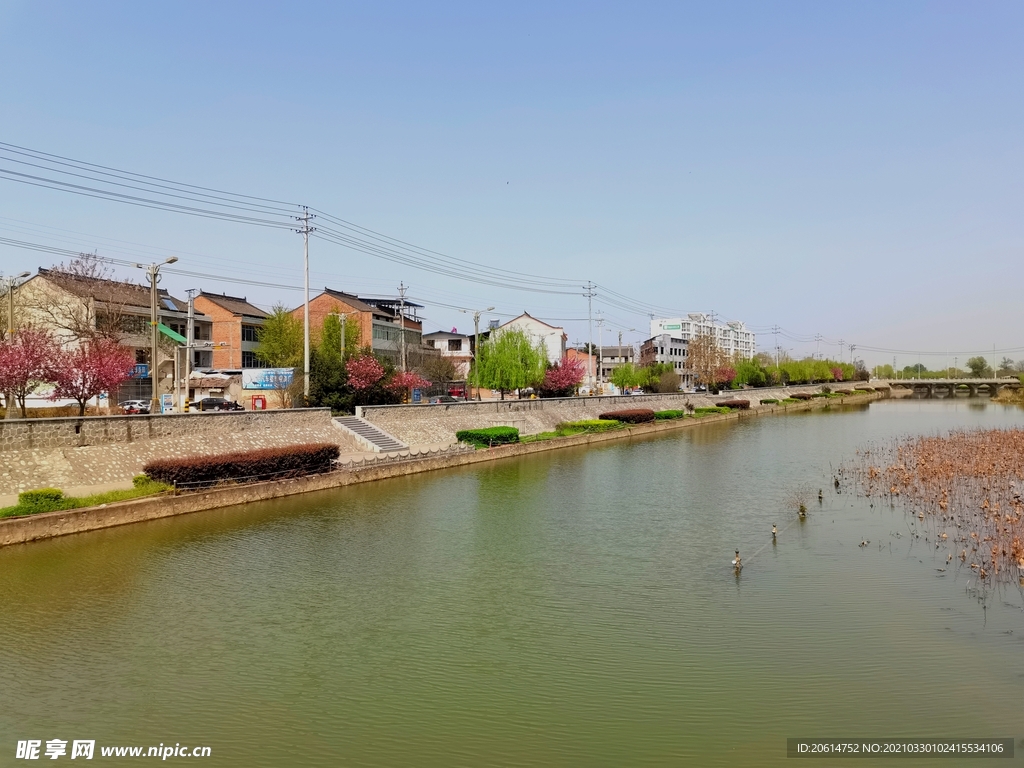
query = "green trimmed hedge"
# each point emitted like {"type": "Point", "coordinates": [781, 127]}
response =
{"type": "Point", "coordinates": [586, 425]}
{"type": "Point", "coordinates": [661, 415]}
{"type": "Point", "coordinates": [488, 436]}
{"type": "Point", "coordinates": [709, 411]}
{"type": "Point", "coordinates": [629, 415]}
{"type": "Point", "coordinates": [769, 401]}
{"type": "Point", "coordinates": [741, 405]}
{"type": "Point", "coordinates": [789, 400]}
{"type": "Point", "coordinates": [245, 466]}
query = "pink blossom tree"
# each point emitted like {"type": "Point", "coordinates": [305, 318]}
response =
{"type": "Point", "coordinates": [562, 379]}
{"type": "Point", "coordinates": [93, 367]}
{"type": "Point", "coordinates": [26, 361]}
{"type": "Point", "coordinates": [364, 371]}
{"type": "Point", "coordinates": [837, 374]}
{"type": "Point", "coordinates": [403, 381]}
{"type": "Point", "coordinates": [724, 376]}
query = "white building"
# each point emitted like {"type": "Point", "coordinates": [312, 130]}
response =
{"type": "Point", "coordinates": [734, 339]}
{"type": "Point", "coordinates": [454, 345]}
{"type": "Point", "coordinates": [551, 337]}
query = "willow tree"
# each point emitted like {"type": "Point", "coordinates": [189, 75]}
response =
{"type": "Point", "coordinates": [508, 361]}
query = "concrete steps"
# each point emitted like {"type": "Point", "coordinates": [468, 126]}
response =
{"type": "Point", "coordinates": [374, 439]}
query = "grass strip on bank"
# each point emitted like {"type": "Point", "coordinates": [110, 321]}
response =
{"type": "Point", "coordinates": [53, 499]}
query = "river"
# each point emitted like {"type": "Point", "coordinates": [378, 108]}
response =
{"type": "Point", "coordinates": [571, 608]}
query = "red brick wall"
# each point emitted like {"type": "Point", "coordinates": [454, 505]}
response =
{"type": "Point", "coordinates": [227, 327]}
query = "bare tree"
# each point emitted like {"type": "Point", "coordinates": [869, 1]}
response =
{"type": "Point", "coordinates": [438, 368]}
{"type": "Point", "coordinates": [83, 301]}
{"type": "Point", "coordinates": [704, 357]}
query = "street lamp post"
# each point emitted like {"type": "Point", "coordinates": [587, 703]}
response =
{"type": "Point", "coordinates": [342, 316]}
{"type": "Point", "coordinates": [153, 275]}
{"type": "Point", "coordinates": [476, 340]}
{"type": "Point", "coordinates": [11, 285]}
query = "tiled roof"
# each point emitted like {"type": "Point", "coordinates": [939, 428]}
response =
{"type": "Point", "coordinates": [117, 292]}
{"type": "Point", "coordinates": [234, 304]}
{"type": "Point", "coordinates": [355, 302]}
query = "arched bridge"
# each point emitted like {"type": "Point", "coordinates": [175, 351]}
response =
{"type": "Point", "coordinates": [942, 388]}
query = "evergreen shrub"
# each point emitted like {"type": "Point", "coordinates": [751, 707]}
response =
{"type": "Point", "coordinates": [769, 401]}
{"type": "Point", "coordinates": [247, 466]}
{"type": "Point", "coordinates": [708, 411]}
{"type": "Point", "coordinates": [587, 425]}
{"type": "Point", "coordinates": [488, 436]}
{"type": "Point", "coordinates": [629, 415]}
{"type": "Point", "coordinates": [660, 415]}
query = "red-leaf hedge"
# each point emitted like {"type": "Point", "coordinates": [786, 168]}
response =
{"type": "Point", "coordinates": [800, 395]}
{"type": "Point", "coordinates": [247, 466]}
{"type": "Point", "coordinates": [739, 404]}
{"type": "Point", "coordinates": [629, 415]}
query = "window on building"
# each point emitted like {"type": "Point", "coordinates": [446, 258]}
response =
{"type": "Point", "coordinates": [454, 345]}
{"type": "Point", "coordinates": [250, 333]}
{"type": "Point", "coordinates": [249, 359]}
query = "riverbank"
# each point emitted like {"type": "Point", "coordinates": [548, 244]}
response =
{"type": "Point", "coordinates": [20, 530]}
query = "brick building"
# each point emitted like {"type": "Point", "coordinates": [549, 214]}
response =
{"type": "Point", "coordinates": [236, 324]}
{"type": "Point", "coordinates": [378, 320]}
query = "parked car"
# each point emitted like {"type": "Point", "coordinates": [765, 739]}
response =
{"type": "Point", "coordinates": [134, 406]}
{"type": "Point", "coordinates": [217, 404]}
{"type": "Point", "coordinates": [445, 399]}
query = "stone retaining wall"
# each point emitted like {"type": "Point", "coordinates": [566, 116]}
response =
{"type": "Point", "coordinates": [21, 434]}
{"type": "Point", "coordinates": [105, 460]}
{"type": "Point", "coordinates": [437, 424]}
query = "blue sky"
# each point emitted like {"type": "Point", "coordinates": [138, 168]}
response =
{"type": "Point", "coordinates": [851, 170]}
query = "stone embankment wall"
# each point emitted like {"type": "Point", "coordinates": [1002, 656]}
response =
{"type": "Point", "coordinates": [17, 434]}
{"type": "Point", "coordinates": [71, 453]}
{"type": "Point", "coordinates": [437, 424]}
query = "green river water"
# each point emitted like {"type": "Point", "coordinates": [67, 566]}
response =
{"type": "Point", "coordinates": [571, 608]}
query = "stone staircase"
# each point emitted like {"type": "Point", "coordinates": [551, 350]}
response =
{"type": "Point", "coordinates": [369, 436]}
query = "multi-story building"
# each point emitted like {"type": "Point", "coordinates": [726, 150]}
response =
{"type": "Point", "coordinates": [458, 347]}
{"type": "Point", "coordinates": [666, 348]}
{"type": "Point", "coordinates": [612, 357]}
{"type": "Point", "coordinates": [733, 338]}
{"type": "Point", "coordinates": [76, 307]}
{"type": "Point", "coordinates": [235, 325]}
{"type": "Point", "coordinates": [380, 321]}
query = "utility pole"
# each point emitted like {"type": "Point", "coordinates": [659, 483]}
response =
{"type": "Point", "coordinates": [775, 330]}
{"type": "Point", "coordinates": [476, 342]}
{"type": "Point", "coordinates": [600, 347]}
{"type": "Point", "coordinates": [153, 275]}
{"type": "Point", "coordinates": [190, 335]}
{"type": "Point", "coordinates": [401, 319]}
{"type": "Point", "coordinates": [304, 230]}
{"type": "Point", "coordinates": [590, 324]}
{"type": "Point", "coordinates": [817, 346]}
{"type": "Point", "coordinates": [841, 345]}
